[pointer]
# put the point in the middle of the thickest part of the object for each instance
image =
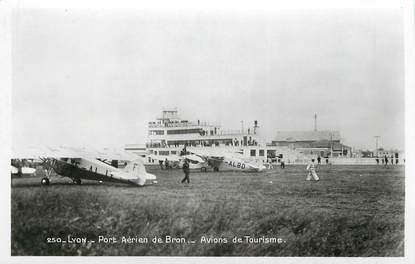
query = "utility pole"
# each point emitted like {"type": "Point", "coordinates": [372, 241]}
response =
{"type": "Point", "coordinates": [315, 122]}
{"type": "Point", "coordinates": [377, 142]}
{"type": "Point", "coordinates": [242, 125]}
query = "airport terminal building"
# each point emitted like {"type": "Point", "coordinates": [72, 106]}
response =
{"type": "Point", "coordinates": [169, 130]}
{"type": "Point", "coordinates": [168, 134]}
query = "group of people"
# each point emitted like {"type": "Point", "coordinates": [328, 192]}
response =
{"type": "Point", "coordinates": [311, 169]}
{"type": "Point", "coordinates": [385, 160]}
{"type": "Point", "coordinates": [165, 165]}
{"type": "Point", "coordinates": [319, 160]}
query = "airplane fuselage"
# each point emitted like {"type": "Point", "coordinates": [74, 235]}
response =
{"type": "Point", "coordinates": [238, 165]}
{"type": "Point", "coordinates": [83, 169]}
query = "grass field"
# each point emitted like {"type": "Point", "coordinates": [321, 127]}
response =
{"type": "Point", "coordinates": [352, 211]}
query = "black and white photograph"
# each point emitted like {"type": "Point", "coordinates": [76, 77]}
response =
{"type": "Point", "coordinates": [174, 132]}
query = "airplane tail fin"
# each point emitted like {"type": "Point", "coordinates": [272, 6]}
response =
{"type": "Point", "coordinates": [136, 168]}
{"type": "Point", "coordinates": [260, 165]}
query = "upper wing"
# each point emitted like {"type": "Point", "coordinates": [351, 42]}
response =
{"type": "Point", "coordinates": [109, 154]}
{"type": "Point", "coordinates": [43, 152]}
{"type": "Point", "coordinates": [72, 152]}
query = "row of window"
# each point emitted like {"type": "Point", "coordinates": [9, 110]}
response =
{"type": "Point", "coordinates": [261, 153]}
{"type": "Point", "coordinates": [155, 132]}
{"type": "Point", "coordinates": [184, 131]}
{"type": "Point", "coordinates": [165, 152]}
{"type": "Point", "coordinates": [177, 131]}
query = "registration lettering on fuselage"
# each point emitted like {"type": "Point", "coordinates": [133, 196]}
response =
{"type": "Point", "coordinates": [239, 165]}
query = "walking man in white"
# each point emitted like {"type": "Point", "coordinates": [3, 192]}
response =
{"type": "Point", "coordinates": [311, 168]}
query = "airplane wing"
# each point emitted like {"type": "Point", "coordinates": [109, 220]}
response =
{"type": "Point", "coordinates": [114, 154]}
{"type": "Point", "coordinates": [23, 170]}
{"type": "Point", "coordinates": [37, 152]}
{"type": "Point", "coordinates": [72, 152]}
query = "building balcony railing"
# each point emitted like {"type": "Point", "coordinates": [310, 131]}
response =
{"type": "Point", "coordinates": [237, 132]}
{"type": "Point", "coordinates": [179, 124]}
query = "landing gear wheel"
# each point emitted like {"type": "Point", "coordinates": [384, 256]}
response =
{"type": "Point", "coordinates": [44, 181]}
{"type": "Point", "coordinates": [77, 181]}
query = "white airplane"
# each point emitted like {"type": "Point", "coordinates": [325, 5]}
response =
{"type": "Point", "coordinates": [23, 170]}
{"type": "Point", "coordinates": [221, 160]}
{"type": "Point", "coordinates": [79, 164]}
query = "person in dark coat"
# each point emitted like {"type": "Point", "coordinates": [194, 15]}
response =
{"type": "Point", "coordinates": [186, 171]}
{"type": "Point", "coordinates": [282, 163]}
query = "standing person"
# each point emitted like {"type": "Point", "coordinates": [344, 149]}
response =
{"type": "Point", "coordinates": [386, 160]}
{"type": "Point", "coordinates": [377, 160]}
{"type": "Point", "coordinates": [183, 152]}
{"type": "Point", "coordinates": [166, 164]}
{"type": "Point", "coordinates": [392, 159]}
{"type": "Point", "coordinates": [311, 168]}
{"type": "Point", "coordinates": [161, 164]}
{"type": "Point", "coordinates": [327, 160]}
{"type": "Point", "coordinates": [186, 171]}
{"type": "Point", "coordinates": [282, 163]}
{"type": "Point", "coordinates": [318, 160]}
{"type": "Point", "coordinates": [270, 163]}
{"type": "Point", "coordinates": [19, 171]}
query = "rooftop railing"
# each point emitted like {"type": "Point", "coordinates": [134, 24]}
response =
{"type": "Point", "coordinates": [236, 132]}
{"type": "Point", "coordinates": [179, 124]}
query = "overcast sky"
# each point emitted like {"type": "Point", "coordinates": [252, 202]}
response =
{"type": "Point", "coordinates": [90, 77]}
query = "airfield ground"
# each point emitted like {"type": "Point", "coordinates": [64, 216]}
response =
{"type": "Point", "coordinates": [352, 211]}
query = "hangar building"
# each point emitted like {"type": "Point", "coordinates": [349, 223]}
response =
{"type": "Point", "coordinates": [325, 143]}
